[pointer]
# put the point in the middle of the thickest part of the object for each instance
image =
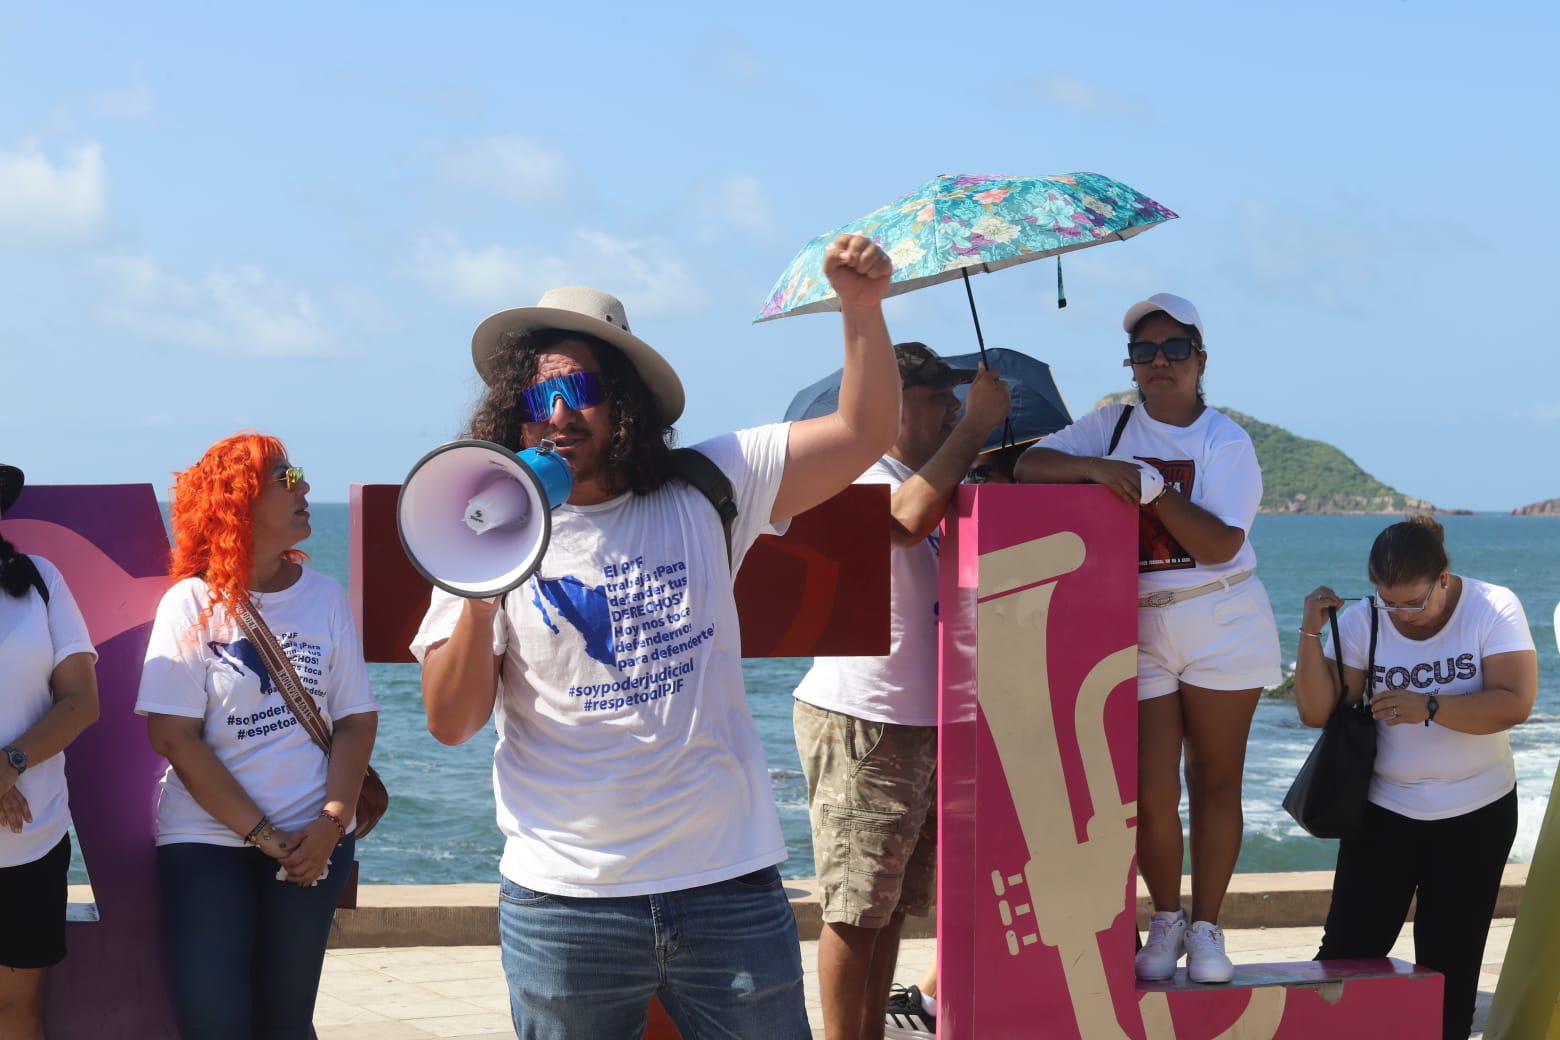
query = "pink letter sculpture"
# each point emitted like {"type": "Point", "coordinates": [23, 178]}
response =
{"type": "Point", "coordinates": [1038, 776]}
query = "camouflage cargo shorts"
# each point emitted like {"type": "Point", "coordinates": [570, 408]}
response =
{"type": "Point", "coordinates": [872, 797]}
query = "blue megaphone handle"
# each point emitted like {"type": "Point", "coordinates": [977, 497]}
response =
{"type": "Point", "coordinates": [552, 470]}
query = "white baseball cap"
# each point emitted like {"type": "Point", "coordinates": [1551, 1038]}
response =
{"type": "Point", "coordinates": [1178, 307]}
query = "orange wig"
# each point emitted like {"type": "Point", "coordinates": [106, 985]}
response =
{"type": "Point", "coordinates": [213, 515]}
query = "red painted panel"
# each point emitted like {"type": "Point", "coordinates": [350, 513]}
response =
{"type": "Point", "coordinates": [822, 590]}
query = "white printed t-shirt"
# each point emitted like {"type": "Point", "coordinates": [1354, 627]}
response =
{"type": "Point", "coordinates": [1431, 772]}
{"type": "Point", "coordinates": [902, 687]}
{"type": "Point", "coordinates": [627, 762]}
{"type": "Point", "coordinates": [34, 639]}
{"type": "Point", "coordinates": [1211, 462]}
{"type": "Point", "coordinates": [209, 670]}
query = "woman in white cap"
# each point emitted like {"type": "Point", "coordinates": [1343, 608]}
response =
{"type": "Point", "coordinates": [48, 695]}
{"type": "Point", "coordinates": [1207, 643]}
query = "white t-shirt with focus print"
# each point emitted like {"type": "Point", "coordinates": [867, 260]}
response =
{"type": "Point", "coordinates": [902, 687]}
{"type": "Point", "coordinates": [1431, 772]}
{"type": "Point", "coordinates": [1212, 462]}
{"type": "Point", "coordinates": [627, 762]}
{"type": "Point", "coordinates": [209, 670]}
{"type": "Point", "coordinates": [34, 639]}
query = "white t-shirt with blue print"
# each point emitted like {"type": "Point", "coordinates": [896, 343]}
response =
{"type": "Point", "coordinates": [208, 670]}
{"type": "Point", "coordinates": [627, 762]}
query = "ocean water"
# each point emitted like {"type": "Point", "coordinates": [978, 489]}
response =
{"type": "Point", "coordinates": [441, 827]}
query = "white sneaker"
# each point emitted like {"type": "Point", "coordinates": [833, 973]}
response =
{"type": "Point", "coordinates": [1166, 942]}
{"type": "Point", "coordinates": [1205, 959]}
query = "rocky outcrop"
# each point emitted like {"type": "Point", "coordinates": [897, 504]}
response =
{"type": "Point", "coordinates": [1548, 507]}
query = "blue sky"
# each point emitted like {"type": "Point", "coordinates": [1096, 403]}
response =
{"type": "Point", "coordinates": [291, 217]}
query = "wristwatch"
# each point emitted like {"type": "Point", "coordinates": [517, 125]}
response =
{"type": "Point", "coordinates": [1433, 706]}
{"type": "Point", "coordinates": [17, 757]}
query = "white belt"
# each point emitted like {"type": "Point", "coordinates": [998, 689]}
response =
{"type": "Point", "coordinates": [1165, 599]}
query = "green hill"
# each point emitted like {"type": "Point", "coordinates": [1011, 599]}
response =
{"type": "Point", "coordinates": [1300, 475]}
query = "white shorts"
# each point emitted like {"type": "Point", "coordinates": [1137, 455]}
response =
{"type": "Point", "coordinates": [1226, 640]}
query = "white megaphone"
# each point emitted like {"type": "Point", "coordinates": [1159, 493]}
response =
{"type": "Point", "coordinates": [475, 517]}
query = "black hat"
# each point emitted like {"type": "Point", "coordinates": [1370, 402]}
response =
{"type": "Point", "coordinates": [11, 481]}
{"type": "Point", "coordinates": [919, 365]}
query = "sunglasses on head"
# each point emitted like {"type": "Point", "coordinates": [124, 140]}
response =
{"type": "Point", "coordinates": [291, 477]}
{"type": "Point", "coordinates": [577, 389]}
{"type": "Point", "coordinates": [1142, 353]}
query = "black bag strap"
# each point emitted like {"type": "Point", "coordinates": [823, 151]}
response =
{"type": "Point", "coordinates": [1370, 662]}
{"type": "Point", "coordinates": [1121, 427]}
{"type": "Point", "coordinates": [699, 470]}
{"type": "Point", "coordinates": [38, 583]}
{"type": "Point", "coordinates": [1343, 687]}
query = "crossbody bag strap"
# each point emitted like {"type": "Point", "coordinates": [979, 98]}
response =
{"type": "Point", "coordinates": [1370, 661]}
{"type": "Point", "coordinates": [1121, 427]}
{"type": "Point", "coordinates": [283, 675]}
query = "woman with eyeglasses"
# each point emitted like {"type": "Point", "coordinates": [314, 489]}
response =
{"type": "Point", "coordinates": [1455, 668]}
{"type": "Point", "coordinates": [1207, 643]}
{"type": "Point", "coordinates": [48, 696]}
{"type": "Point", "coordinates": [254, 822]}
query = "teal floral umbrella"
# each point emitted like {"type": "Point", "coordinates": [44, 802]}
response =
{"type": "Point", "coordinates": [953, 226]}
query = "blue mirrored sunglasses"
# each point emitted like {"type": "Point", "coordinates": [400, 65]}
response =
{"type": "Point", "coordinates": [578, 390]}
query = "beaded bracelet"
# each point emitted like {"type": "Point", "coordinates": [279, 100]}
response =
{"type": "Point", "coordinates": [256, 830]}
{"type": "Point", "coordinates": [341, 828]}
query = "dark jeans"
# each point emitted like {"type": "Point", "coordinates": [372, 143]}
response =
{"type": "Point", "coordinates": [244, 949]}
{"type": "Point", "coordinates": [723, 958]}
{"type": "Point", "coordinates": [1454, 866]}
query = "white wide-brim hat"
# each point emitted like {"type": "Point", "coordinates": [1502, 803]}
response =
{"type": "Point", "coordinates": [1178, 307]}
{"type": "Point", "coordinates": [576, 308]}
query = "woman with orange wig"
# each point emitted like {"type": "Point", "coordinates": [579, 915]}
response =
{"type": "Point", "coordinates": [254, 821]}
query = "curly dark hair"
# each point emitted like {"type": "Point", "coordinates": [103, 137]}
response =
{"type": "Point", "coordinates": [639, 458]}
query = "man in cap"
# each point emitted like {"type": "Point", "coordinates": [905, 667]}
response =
{"type": "Point", "coordinates": [641, 837]}
{"type": "Point", "coordinates": [866, 727]}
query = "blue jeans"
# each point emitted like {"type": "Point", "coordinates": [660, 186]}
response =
{"type": "Point", "coordinates": [723, 958]}
{"type": "Point", "coordinates": [244, 949]}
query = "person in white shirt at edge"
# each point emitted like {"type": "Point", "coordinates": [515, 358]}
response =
{"type": "Point", "coordinates": [866, 727]}
{"type": "Point", "coordinates": [1455, 669]}
{"type": "Point", "coordinates": [1207, 642]}
{"type": "Point", "coordinates": [641, 836]}
{"type": "Point", "coordinates": [254, 823]}
{"type": "Point", "coordinates": [48, 695]}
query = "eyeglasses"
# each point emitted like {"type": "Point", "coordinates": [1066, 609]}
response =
{"type": "Point", "coordinates": [578, 390]}
{"type": "Point", "coordinates": [1392, 608]}
{"type": "Point", "coordinates": [291, 477]}
{"type": "Point", "coordinates": [1142, 352]}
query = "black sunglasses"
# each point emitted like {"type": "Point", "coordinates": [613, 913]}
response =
{"type": "Point", "coordinates": [1142, 353]}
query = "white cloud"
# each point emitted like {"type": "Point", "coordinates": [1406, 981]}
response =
{"type": "Point", "coordinates": [132, 102]}
{"type": "Point", "coordinates": [47, 203]}
{"type": "Point", "coordinates": [731, 62]}
{"type": "Point", "coordinates": [1092, 101]}
{"type": "Point", "coordinates": [737, 204]}
{"type": "Point", "coordinates": [242, 310]}
{"type": "Point", "coordinates": [516, 168]}
{"type": "Point", "coordinates": [647, 276]}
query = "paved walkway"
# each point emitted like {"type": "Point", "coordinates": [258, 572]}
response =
{"type": "Point", "coordinates": [458, 991]}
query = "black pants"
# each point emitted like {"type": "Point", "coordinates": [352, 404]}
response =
{"type": "Point", "coordinates": [1454, 865]}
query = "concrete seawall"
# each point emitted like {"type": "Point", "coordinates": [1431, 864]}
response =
{"type": "Point", "coordinates": [467, 915]}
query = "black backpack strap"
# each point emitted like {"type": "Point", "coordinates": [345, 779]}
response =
{"type": "Point", "coordinates": [1121, 427]}
{"type": "Point", "coordinates": [38, 583]}
{"type": "Point", "coordinates": [699, 470]}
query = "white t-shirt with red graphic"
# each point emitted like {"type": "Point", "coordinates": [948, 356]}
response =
{"type": "Point", "coordinates": [627, 762]}
{"type": "Point", "coordinates": [209, 670]}
{"type": "Point", "coordinates": [1431, 772]}
{"type": "Point", "coordinates": [1212, 462]}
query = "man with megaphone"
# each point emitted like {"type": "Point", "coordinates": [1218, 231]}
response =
{"type": "Point", "coordinates": [641, 837]}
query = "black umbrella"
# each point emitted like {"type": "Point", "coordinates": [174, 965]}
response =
{"type": "Point", "coordinates": [1038, 408]}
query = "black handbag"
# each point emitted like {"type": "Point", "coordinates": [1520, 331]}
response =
{"type": "Point", "coordinates": [1330, 792]}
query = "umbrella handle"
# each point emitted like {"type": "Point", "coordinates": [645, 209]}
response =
{"type": "Point", "coordinates": [965, 271]}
